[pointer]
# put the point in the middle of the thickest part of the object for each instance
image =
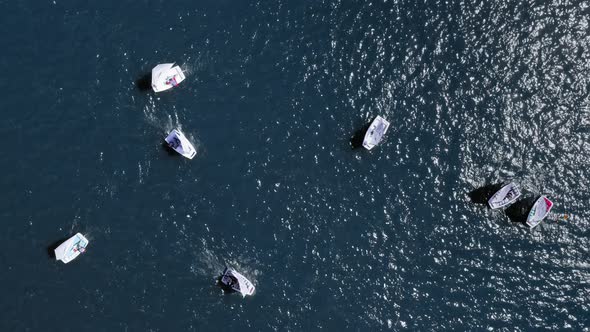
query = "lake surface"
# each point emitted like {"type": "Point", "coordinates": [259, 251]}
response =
{"type": "Point", "coordinates": [334, 237]}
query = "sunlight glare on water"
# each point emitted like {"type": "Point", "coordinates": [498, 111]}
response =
{"type": "Point", "coordinates": [334, 238]}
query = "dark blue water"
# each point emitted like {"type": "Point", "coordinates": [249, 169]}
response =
{"type": "Point", "coordinates": [334, 238]}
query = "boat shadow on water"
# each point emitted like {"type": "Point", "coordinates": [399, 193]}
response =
{"type": "Point", "coordinates": [356, 141]}
{"type": "Point", "coordinates": [51, 248]}
{"type": "Point", "coordinates": [518, 212]}
{"type": "Point", "coordinates": [226, 289]}
{"type": "Point", "coordinates": [144, 83]}
{"type": "Point", "coordinates": [482, 195]}
{"type": "Point", "coordinates": [170, 150]}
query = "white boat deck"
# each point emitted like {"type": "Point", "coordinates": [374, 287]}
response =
{"type": "Point", "coordinates": [375, 133]}
{"type": "Point", "coordinates": [71, 248]}
{"type": "Point", "coordinates": [539, 211]}
{"type": "Point", "coordinates": [166, 76]}
{"type": "Point", "coordinates": [505, 196]}
{"type": "Point", "coordinates": [177, 141]}
{"type": "Point", "coordinates": [237, 282]}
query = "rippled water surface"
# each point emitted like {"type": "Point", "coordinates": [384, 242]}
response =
{"type": "Point", "coordinates": [333, 237]}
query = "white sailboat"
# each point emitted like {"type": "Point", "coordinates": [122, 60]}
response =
{"type": "Point", "coordinates": [505, 196]}
{"type": "Point", "coordinates": [177, 141]}
{"type": "Point", "coordinates": [71, 248]}
{"type": "Point", "coordinates": [375, 133]}
{"type": "Point", "coordinates": [539, 211]}
{"type": "Point", "coordinates": [166, 76]}
{"type": "Point", "coordinates": [237, 282]}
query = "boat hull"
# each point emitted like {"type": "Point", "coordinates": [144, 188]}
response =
{"type": "Point", "coordinates": [71, 248]}
{"type": "Point", "coordinates": [166, 76]}
{"type": "Point", "coordinates": [179, 143]}
{"type": "Point", "coordinates": [507, 195]}
{"type": "Point", "coordinates": [237, 282]}
{"type": "Point", "coordinates": [539, 211]}
{"type": "Point", "coordinates": [375, 133]}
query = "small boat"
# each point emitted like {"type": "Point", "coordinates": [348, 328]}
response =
{"type": "Point", "coordinates": [166, 76]}
{"type": "Point", "coordinates": [375, 133]}
{"type": "Point", "coordinates": [177, 141]}
{"type": "Point", "coordinates": [71, 248]}
{"type": "Point", "coordinates": [505, 196]}
{"type": "Point", "coordinates": [539, 211]}
{"type": "Point", "coordinates": [231, 279]}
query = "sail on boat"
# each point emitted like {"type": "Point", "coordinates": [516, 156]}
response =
{"type": "Point", "coordinates": [539, 211]}
{"type": "Point", "coordinates": [71, 248]}
{"type": "Point", "coordinates": [166, 76]}
{"type": "Point", "coordinates": [375, 133]}
{"type": "Point", "coordinates": [179, 143]}
{"type": "Point", "coordinates": [505, 196]}
{"type": "Point", "coordinates": [235, 281]}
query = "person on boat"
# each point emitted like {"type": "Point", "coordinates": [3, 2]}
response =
{"type": "Point", "coordinates": [174, 143]}
{"type": "Point", "coordinates": [172, 81]}
{"type": "Point", "coordinates": [230, 280]}
{"type": "Point", "coordinates": [79, 248]}
{"type": "Point", "coordinates": [226, 280]}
